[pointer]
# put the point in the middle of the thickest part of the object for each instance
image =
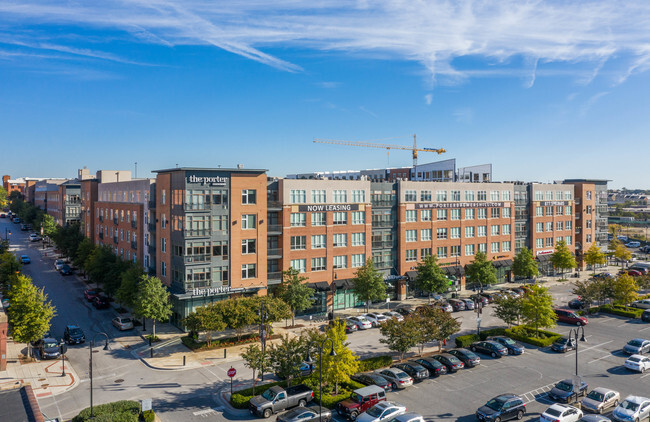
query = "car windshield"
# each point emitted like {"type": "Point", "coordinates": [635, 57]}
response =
{"type": "Point", "coordinates": [495, 404]}
{"type": "Point", "coordinates": [595, 395]}
{"type": "Point", "coordinates": [635, 343]}
{"type": "Point", "coordinates": [453, 359]}
{"type": "Point", "coordinates": [49, 344]}
{"type": "Point", "coordinates": [377, 379]}
{"type": "Point", "coordinates": [629, 405]}
{"type": "Point", "coordinates": [402, 375]}
{"type": "Point", "coordinates": [634, 359]}
{"type": "Point", "coordinates": [268, 394]}
{"type": "Point", "coordinates": [553, 412]}
{"type": "Point", "coordinates": [75, 332]}
{"type": "Point", "coordinates": [357, 398]}
{"type": "Point", "coordinates": [375, 411]}
{"type": "Point", "coordinates": [508, 341]}
{"type": "Point", "coordinates": [564, 386]}
{"type": "Point", "coordinates": [562, 340]}
{"type": "Point", "coordinates": [125, 320]}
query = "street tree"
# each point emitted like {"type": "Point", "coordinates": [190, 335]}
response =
{"type": "Point", "coordinates": [239, 313]}
{"type": "Point", "coordinates": [275, 310]}
{"type": "Point", "coordinates": [10, 267]}
{"type": "Point", "coordinates": [399, 336]}
{"type": "Point", "coordinates": [426, 319]}
{"type": "Point", "coordinates": [295, 293]}
{"type": "Point", "coordinates": [210, 320]}
{"type": "Point", "coordinates": [257, 360]}
{"type": "Point", "coordinates": [587, 290]}
{"type": "Point", "coordinates": [113, 280]}
{"type": "Point", "coordinates": [447, 327]}
{"type": "Point", "coordinates": [562, 258]}
{"type": "Point", "coordinates": [624, 289]}
{"type": "Point", "coordinates": [594, 257]}
{"type": "Point", "coordinates": [508, 309]}
{"type": "Point", "coordinates": [128, 290]}
{"type": "Point", "coordinates": [481, 270]}
{"type": "Point", "coordinates": [537, 308]}
{"type": "Point", "coordinates": [368, 284]}
{"type": "Point", "coordinates": [49, 226]}
{"type": "Point", "coordinates": [524, 264]}
{"type": "Point", "coordinates": [287, 355]}
{"type": "Point", "coordinates": [30, 312]}
{"type": "Point", "coordinates": [152, 301]}
{"type": "Point", "coordinates": [622, 253]}
{"type": "Point", "coordinates": [431, 278]}
{"type": "Point", "coordinates": [336, 369]}
{"type": "Point", "coordinates": [614, 230]}
{"type": "Point", "coordinates": [4, 198]}
{"type": "Point", "coordinates": [98, 265]}
{"type": "Point", "coordinates": [84, 251]}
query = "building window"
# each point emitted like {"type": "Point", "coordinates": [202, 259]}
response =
{"type": "Point", "coordinates": [425, 196]}
{"type": "Point", "coordinates": [359, 196]}
{"type": "Point", "coordinates": [506, 212]}
{"type": "Point", "coordinates": [568, 240]}
{"type": "Point", "coordinates": [248, 221]}
{"type": "Point", "coordinates": [481, 231]}
{"type": "Point", "coordinates": [539, 227]}
{"type": "Point", "coordinates": [455, 214]}
{"type": "Point", "coordinates": [318, 264]}
{"type": "Point", "coordinates": [340, 240]}
{"type": "Point", "coordinates": [248, 271]}
{"type": "Point", "coordinates": [299, 264]}
{"type": "Point", "coordinates": [539, 211]}
{"type": "Point", "coordinates": [425, 234]}
{"type": "Point", "coordinates": [358, 260]}
{"type": "Point", "coordinates": [318, 219]}
{"type": "Point", "coordinates": [494, 247]}
{"type": "Point", "coordinates": [340, 196]}
{"type": "Point", "coordinates": [559, 225]}
{"type": "Point", "coordinates": [298, 243]}
{"type": "Point", "coordinates": [163, 269]}
{"type": "Point", "coordinates": [587, 223]}
{"type": "Point", "coordinates": [482, 213]}
{"type": "Point", "coordinates": [539, 196]}
{"type": "Point", "coordinates": [358, 239]}
{"type": "Point", "coordinates": [455, 251]}
{"type": "Point", "coordinates": [469, 195]}
{"type": "Point", "coordinates": [411, 255]}
{"type": "Point", "coordinates": [568, 195]}
{"type": "Point", "coordinates": [318, 196]}
{"type": "Point", "coordinates": [424, 252]}
{"type": "Point", "coordinates": [220, 249]}
{"type": "Point", "coordinates": [539, 243]}
{"type": "Point", "coordinates": [318, 241]}
{"type": "Point", "coordinates": [494, 195]}
{"type": "Point", "coordinates": [163, 244]}
{"type": "Point", "coordinates": [549, 241]}
{"type": "Point", "coordinates": [298, 219]}
{"type": "Point", "coordinates": [568, 210]}
{"type": "Point", "coordinates": [163, 196]}
{"type": "Point", "coordinates": [469, 232]}
{"type": "Point", "coordinates": [588, 195]}
{"type": "Point", "coordinates": [358, 217]}
{"type": "Point", "coordinates": [454, 233]}
{"type": "Point", "coordinates": [494, 212]}
{"type": "Point", "coordinates": [441, 252]}
{"type": "Point", "coordinates": [411, 216]}
{"type": "Point", "coordinates": [482, 195]}
{"type": "Point", "coordinates": [558, 240]}
{"type": "Point", "coordinates": [549, 226]}
{"type": "Point", "coordinates": [505, 229]}
{"type": "Point", "coordinates": [248, 246]}
{"type": "Point", "coordinates": [163, 221]}
{"type": "Point", "coordinates": [588, 238]}
{"type": "Point", "coordinates": [425, 215]}
{"type": "Point", "coordinates": [505, 246]}
{"type": "Point", "coordinates": [549, 195]}
{"type": "Point", "coordinates": [469, 214]}
{"type": "Point", "coordinates": [494, 230]}
{"type": "Point", "coordinates": [441, 214]}
{"type": "Point", "coordinates": [559, 210]}
{"type": "Point", "coordinates": [410, 196]}
{"type": "Point", "coordinates": [340, 262]}
{"type": "Point", "coordinates": [469, 250]}
{"type": "Point", "coordinates": [455, 195]}
{"type": "Point", "coordinates": [549, 211]}
{"type": "Point", "coordinates": [297, 196]}
{"type": "Point", "coordinates": [505, 195]}
{"type": "Point", "coordinates": [441, 233]}
{"type": "Point", "coordinates": [248, 196]}
{"type": "Point", "coordinates": [568, 225]}
{"type": "Point", "coordinates": [340, 218]}
{"type": "Point", "coordinates": [441, 196]}
{"type": "Point", "coordinates": [411, 236]}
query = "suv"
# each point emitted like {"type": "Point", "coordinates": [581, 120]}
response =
{"type": "Point", "coordinates": [565, 391]}
{"type": "Point", "coordinates": [502, 408]}
{"type": "Point", "coordinates": [73, 334]}
{"type": "Point", "coordinates": [570, 317]}
{"type": "Point", "coordinates": [361, 400]}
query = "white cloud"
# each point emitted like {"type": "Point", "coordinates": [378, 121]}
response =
{"type": "Point", "coordinates": [428, 99]}
{"type": "Point", "coordinates": [433, 33]}
{"type": "Point", "coordinates": [590, 102]}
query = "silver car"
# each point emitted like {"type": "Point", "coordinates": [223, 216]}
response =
{"type": "Point", "coordinates": [123, 323]}
{"type": "Point", "coordinates": [397, 378]}
{"type": "Point", "coordinates": [637, 346]}
{"type": "Point", "coordinates": [642, 304]}
{"type": "Point", "coordinates": [600, 399]}
{"type": "Point", "coordinates": [395, 315]}
{"type": "Point", "coordinates": [407, 417]}
{"type": "Point", "coordinates": [633, 408]}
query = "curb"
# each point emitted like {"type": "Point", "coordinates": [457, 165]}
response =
{"type": "Point", "coordinates": [226, 406]}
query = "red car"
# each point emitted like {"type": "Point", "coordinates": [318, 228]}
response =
{"type": "Point", "coordinates": [633, 273]}
{"type": "Point", "coordinates": [570, 317]}
{"type": "Point", "coordinates": [90, 295]}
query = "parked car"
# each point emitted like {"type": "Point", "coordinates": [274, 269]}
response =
{"type": "Point", "coordinates": [637, 346]}
{"type": "Point", "coordinates": [594, 418]}
{"type": "Point", "coordinates": [73, 334]}
{"type": "Point", "coordinates": [407, 417]}
{"type": "Point", "coordinates": [469, 358]}
{"type": "Point", "coordinates": [457, 305]}
{"type": "Point", "coordinates": [371, 378]}
{"type": "Point", "coordinates": [100, 302]}
{"type": "Point", "coordinates": [394, 315]}
{"type": "Point", "coordinates": [640, 268]}
{"type": "Point", "coordinates": [631, 272]}
{"type": "Point", "coordinates": [561, 413]}
{"type": "Point", "coordinates": [66, 270]}
{"type": "Point", "coordinates": [449, 361]}
{"type": "Point", "coordinates": [633, 408]}
{"type": "Point", "coordinates": [578, 303]}
{"type": "Point", "coordinates": [633, 244]}
{"type": "Point", "coordinates": [58, 264]}
{"type": "Point", "coordinates": [477, 297]}
{"type": "Point", "coordinates": [361, 322]}
{"type": "Point", "coordinates": [306, 414]}
{"type": "Point", "coordinates": [469, 304]}
{"type": "Point", "coordinates": [397, 378]}
{"type": "Point", "coordinates": [376, 319]}
{"type": "Point", "coordinates": [434, 367]}
{"type": "Point", "coordinates": [25, 259]}
{"type": "Point", "coordinates": [360, 400]}
{"type": "Point", "coordinates": [277, 398]}
{"type": "Point", "coordinates": [570, 317]}
{"type": "Point", "coordinates": [350, 327]}
{"type": "Point", "coordinates": [123, 323]}
{"type": "Point", "coordinates": [637, 363]}
{"type": "Point", "coordinates": [564, 344]}
{"type": "Point", "coordinates": [564, 391]}
{"type": "Point", "coordinates": [47, 348]}
{"type": "Point", "coordinates": [514, 347]}
{"type": "Point", "coordinates": [645, 316]}
{"type": "Point", "coordinates": [443, 306]}
{"type": "Point", "coordinates": [414, 369]}
{"type": "Point", "coordinates": [488, 347]}
{"type": "Point", "coordinates": [382, 411]}
{"type": "Point", "coordinates": [645, 249]}
{"type": "Point", "coordinates": [34, 237]}
{"type": "Point", "coordinates": [604, 276]}
{"type": "Point", "coordinates": [90, 294]}
{"type": "Point", "coordinates": [502, 408]}
{"type": "Point", "coordinates": [489, 296]}
{"type": "Point", "coordinates": [23, 227]}
{"type": "Point", "coordinates": [600, 399]}
{"type": "Point", "coordinates": [17, 220]}
{"type": "Point", "coordinates": [641, 304]}
{"type": "Point", "coordinates": [405, 310]}
{"type": "Point", "coordinates": [519, 290]}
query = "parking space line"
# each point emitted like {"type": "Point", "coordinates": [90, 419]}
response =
{"type": "Point", "coordinates": [596, 360]}
{"type": "Point", "coordinates": [588, 348]}
{"type": "Point", "coordinates": [643, 329]}
{"type": "Point", "coordinates": [643, 376]}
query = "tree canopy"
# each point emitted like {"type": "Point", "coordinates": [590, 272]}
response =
{"type": "Point", "coordinates": [594, 257]}
{"type": "Point", "coordinates": [30, 312]}
{"type": "Point", "coordinates": [537, 308]}
{"type": "Point", "coordinates": [524, 264]}
{"type": "Point", "coordinates": [508, 309]}
{"type": "Point", "coordinates": [368, 284]}
{"type": "Point", "coordinates": [481, 270]}
{"type": "Point", "coordinates": [431, 278]}
{"type": "Point", "coordinates": [562, 258]}
{"type": "Point", "coordinates": [152, 300]}
{"type": "Point", "coordinates": [294, 292]}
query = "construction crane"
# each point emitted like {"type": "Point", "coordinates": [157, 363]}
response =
{"type": "Point", "coordinates": [388, 147]}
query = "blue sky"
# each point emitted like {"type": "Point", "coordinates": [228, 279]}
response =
{"type": "Point", "coordinates": [544, 90]}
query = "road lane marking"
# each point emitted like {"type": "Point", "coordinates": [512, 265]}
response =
{"type": "Point", "coordinates": [580, 349]}
{"type": "Point", "coordinates": [596, 360]}
{"type": "Point", "coordinates": [643, 376]}
{"type": "Point", "coordinates": [643, 329]}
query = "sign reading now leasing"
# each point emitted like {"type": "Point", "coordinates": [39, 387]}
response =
{"type": "Point", "coordinates": [328, 207]}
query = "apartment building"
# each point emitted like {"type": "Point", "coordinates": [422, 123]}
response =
{"type": "Point", "coordinates": [46, 194]}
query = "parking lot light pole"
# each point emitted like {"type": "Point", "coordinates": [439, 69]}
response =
{"type": "Point", "coordinates": [573, 334]}
{"type": "Point", "coordinates": [320, 345]}
{"type": "Point", "coordinates": [91, 344]}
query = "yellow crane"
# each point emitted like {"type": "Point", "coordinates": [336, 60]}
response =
{"type": "Point", "coordinates": [388, 147]}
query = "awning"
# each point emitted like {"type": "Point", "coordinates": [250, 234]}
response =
{"type": "Point", "coordinates": [342, 283]}
{"type": "Point", "coordinates": [320, 286]}
{"type": "Point", "coordinates": [544, 258]}
{"type": "Point", "coordinates": [502, 263]}
{"type": "Point", "coordinates": [456, 270]}
{"type": "Point", "coordinates": [412, 275]}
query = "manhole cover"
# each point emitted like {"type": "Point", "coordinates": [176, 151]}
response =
{"type": "Point", "coordinates": [119, 381]}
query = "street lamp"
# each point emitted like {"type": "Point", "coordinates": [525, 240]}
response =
{"type": "Point", "coordinates": [320, 345]}
{"type": "Point", "coordinates": [91, 344]}
{"type": "Point", "coordinates": [573, 334]}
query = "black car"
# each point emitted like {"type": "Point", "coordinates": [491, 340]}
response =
{"type": "Point", "coordinates": [47, 348]}
{"type": "Point", "coordinates": [66, 270]}
{"type": "Point", "coordinates": [73, 335]}
{"type": "Point", "coordinates": [514, 347]}
{"type": "Point", "coordinates": [489, 296]}
{"type": "Point", "coordinates": [100, 302]}
{"type": "Point", "coordinates": [578, 304]}
{"type": "Point", "coordinates": [645, 316]}
{"type": "Point", "coordinates": [414, 369]}
{"type": "Point", "coordinates": [306, 414]}
{"type": "Point", "coordinates": [24, 227]}
{"type": "Point", "coordinates": [434, 367]}
{"type": "Point", "coordinates": [405, 311]}
{"type": "Point", "coordinates": [564, 344]}
{"type": "Point", "coordinates": [371, 379]}
{"type": "Point", "coordinates": [502, 408]}
{"type": "Point", "coordinates": [488, 347]}
{"type": "Point", "coordinates": [470, 359]}
{"type": "Point", "coordinates": [449, 361]}
{"type": "Point", "coordinates": [564, 391]}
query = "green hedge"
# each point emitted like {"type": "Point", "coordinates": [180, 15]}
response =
{"type": "Point", "coordinates": [374, 363]}
{"type": "Point", "coordinates": [493, 332]}
{"type": "Point", "coordinates": [239, 399]}
{"type": "Point", "coordinates": [148, 416]}
{"type": "Point", "coordinates": [197, 346]}
{"type": "Point", "coordinates": [119, 411]}
{"type": "Point", "coordinates": [527, 335]}
{"type": "Point", "coordinates": [465, 341]}
{"type": "Point", "coordinates": [621, 310]}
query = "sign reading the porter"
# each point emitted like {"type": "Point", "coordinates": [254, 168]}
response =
{"type": "Point", "coordinates": [435, 205]}
{"type": "Point", "coordinates": [210, 180]}
{"type": "Point", "coordinates": [328, 207]}
{"type": "Point", "coordinates": [214, 291]}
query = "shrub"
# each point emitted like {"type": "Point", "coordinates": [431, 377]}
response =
{"type": "Point", "coordinates": [239, 401]}
{"type": "Point", "coordinates": [119, 411]}
{"type": "Point", "coordinates": [493, 332]}
{"type": "Point", "coordinates": [621, 310]}
{"type": "Point", "coordinates": [464, 341]}
{"type": "Point", "coordinates": [527, 335]}
{"type": "Point", "coordinates": [148, 416]}
{"type": "Point", "coordinates": [330, 401]}
{"type": "Point", "coordinates": [377, 362]}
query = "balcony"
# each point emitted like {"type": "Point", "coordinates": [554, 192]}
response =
{"type": "Point", "coordinates": [116, 221]}
{"type": "Point", "coordinates": [382, 245]}
{"type": "Point", "coordinates": [274, 205]}
{"type": "Point", "coordinates": [188, 259]}
{"type": "Point", "coordinates": [196, 233]}
{"type": "Point", "coordinates": [274, 228]}
{"type": "Point", "coordinates": [134, 245]}
{"type": "Point", "coordinates": [101, 235]}
{"type": "Point", "coordinates": [134, 224]}
{"type": "Point", "coordinates": [382, 224]}
{"type": "Point", "coordinates": [151, 227]}
{"type": "Point", "coordinates": [151, 249]}
{"type": "Point", "coordinates": [274, 275]}
{"type": "Point", "coordinates": [197, 207]}
{"type": "Point", "coordinates": [115, 239]}
{"type": "Point", "coordinates": [274, 252]}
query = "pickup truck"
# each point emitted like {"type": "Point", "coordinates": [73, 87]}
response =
{"type": "Point", "coordinates": [277, 398]}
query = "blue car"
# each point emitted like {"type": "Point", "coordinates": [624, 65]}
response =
{"type": "Point", "coordinates": [514, 348]}
{"type": "Point", "coordinates": [25, 259]}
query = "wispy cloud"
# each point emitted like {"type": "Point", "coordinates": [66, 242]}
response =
{"type": "Point", "coordinates": [584, 109]}
{"type": "Point", "coordinates": [329, 85]}
{"type": "Point", "coordinates": [464, 115]}
{"type": "Point", "coordinates": [365, 110]}
{"type": "Point", "coordinates": [428, 99]}
{"type": "Point", "coordinates": [433, 33]}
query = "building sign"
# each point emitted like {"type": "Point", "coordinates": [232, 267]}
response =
{"type": "Point", "coordinates": [436, 205]}
{"type": "Point", "coordinates": [546, 252]}
{"type": "Point", "coordinates": [328, 207]}
{"type": "Point", "coordinates": [395, 278]}
{"type": "Point", "coordinates": [553, 203]}
{"type": "Point", "coordinates": [207, 180]}
{"type": "Point", "coordinates": [211, 291]}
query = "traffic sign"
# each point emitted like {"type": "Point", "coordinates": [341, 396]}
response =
{"type": "Point", "coordinates": [232, 372]}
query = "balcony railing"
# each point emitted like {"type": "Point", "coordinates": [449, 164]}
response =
{"type": "Point", "coordinates": [277, 228]}
{"type": "Point", "coordinates": [382, 245]}
{"type": "Point", "coordinates": [152, 205]}
{"type": "Point", "coordinates": [274, 204]}
{"type": "Point", "coordinates": [274, 252]}
{"type": "Point", "coordinates": [386, 224]}
{"type": "Point", "coordinates": [188, 206]}
{"type": "Point", "coordinates": [274, 275]}
{"type": "Point", "coordinates": [196, 232]}
{"type": "Point", "coordinates": [151, 249]}
{"type": "Point", "coordinates": [134, 224]}
{"type": "Point", "coordinates": [197, 258]}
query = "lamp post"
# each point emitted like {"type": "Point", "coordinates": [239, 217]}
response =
{"type": "Point", "coordinates": [573, 334]}
{"type": "Point", "coordinates": [334, 277]}
{"type": "Point", "coordinates": [320, 345]}
{"type": "Point", "coordinates": [263, 313]}
{"type": "Point", "coordinates": [91, 344]}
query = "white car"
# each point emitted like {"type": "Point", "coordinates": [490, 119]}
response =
{"type": "Point", "coordinates": [34, 237]}
{"type": "Point", "coordinates": [561, 413]}
{"type": "Point", "coordinates": [395, 315]}
{"type": "Point", "coordinates": [361, 322]}
{"type": "Point", "coordinates": [381, 411]}
{"type": "Point", "coordinates": [407, 417]}
{"type": "Point", "coordinates": [58, 264]}
{"type": "Point", "coordinates": [376, 319]}
{"type": "Point", "coordinates": [637, 363]}
{"type": "Point", "coordinates": [633, 408]}
{"type": "Point", "coordinates": [641, 304]}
